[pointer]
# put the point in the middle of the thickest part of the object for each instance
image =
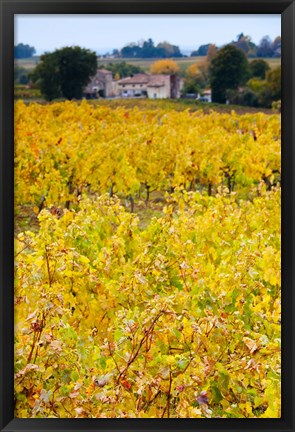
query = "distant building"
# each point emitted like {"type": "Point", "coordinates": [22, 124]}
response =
{"type": "Point", "coordinates": [151, 86]}
{"type": "Point", "coordinates": [135, 86]}
{"type": "Point", "coordinates": [159, 87]}
{"type": "Point", "coordinates": [101, 85]}
{"type": "Point", "coordinates": [138, 86]}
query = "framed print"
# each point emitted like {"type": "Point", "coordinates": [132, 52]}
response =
{"type": "Point", "coordinates": [147, 206]}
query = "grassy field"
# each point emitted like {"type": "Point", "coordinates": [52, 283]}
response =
{"type": "Point", "coordinates": [273, 62]}
{"type": "Point", "coordinates": [145, 64]}
{"type": "Point", "coordinates": [28, 63]}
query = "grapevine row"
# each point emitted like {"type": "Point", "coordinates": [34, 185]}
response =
{"type": "Point", "coordinates": [179, 320]}
{"type": "Point", "coordinates": [64, 150]}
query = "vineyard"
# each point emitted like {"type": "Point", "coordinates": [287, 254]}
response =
{"type": "Point", "coordinates": [175, 317]}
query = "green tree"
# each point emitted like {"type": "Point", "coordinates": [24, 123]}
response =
{"type": "Point", "coordinates": [273, 79]}
{"type": "Point", "coordinates": [168, 50]}
{"type": "Point", "coordinates": [131, 50]}
{"type": "Point", "coordinates": [123, 69]}
{"type": "Point", "coordinates": [147, 49]}
{"type": "Point", "coordinates": [23, 51]}
{"type": "Point", "coordinates": [65, 72]}
{"type": "Point", "coordinates": [228, 70]}
{"type": "Point", "coordinates": [269, 90]}
{"type": "Point", "coordinates": [201, 51]}
{"type": "Point", "coordinates": [46, 74]}
{"type": "Point", "coordinates": [258, 68]}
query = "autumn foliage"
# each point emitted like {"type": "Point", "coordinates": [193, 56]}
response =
{"type": "Point", "coordinates": [64, 149]}
{"type": "Point", "coordinates": [165, 67]}
{"type": "Point", "coordinates": [180, 319]}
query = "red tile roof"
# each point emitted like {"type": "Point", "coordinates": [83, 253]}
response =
{"type": "Point", "coordinates": [158, 80]}
{"type": "Point", "coordinates": [136, 79]}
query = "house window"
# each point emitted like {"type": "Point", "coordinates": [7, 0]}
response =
{"type": "Point", "coordinates": [155, 95]}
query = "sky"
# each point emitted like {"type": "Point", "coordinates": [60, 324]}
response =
{"type": "Point", "coordinates": [102, 33]}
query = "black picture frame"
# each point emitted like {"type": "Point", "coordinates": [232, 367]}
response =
{"type": "Point", "coordinates": [8, 8]}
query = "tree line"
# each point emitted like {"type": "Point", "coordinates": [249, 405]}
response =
{"type": "Point", "coordinates": [266, 48]}
{"type": "Point", "coordinates": [22, 51]}
{"type": "Point", "coordinates": [234, 79]}
{"type": "Point", "coordinates": [148, 49]}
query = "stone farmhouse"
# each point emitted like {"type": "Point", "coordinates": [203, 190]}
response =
{"type": "Point", "coordinates": [101, 85]}
{"type": "Point", "coordinates": [137, 86]}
